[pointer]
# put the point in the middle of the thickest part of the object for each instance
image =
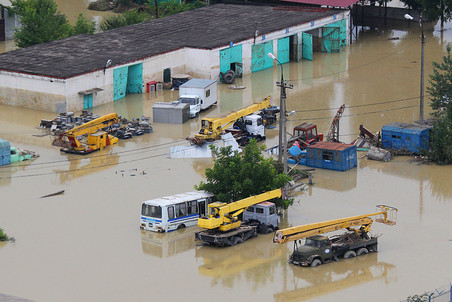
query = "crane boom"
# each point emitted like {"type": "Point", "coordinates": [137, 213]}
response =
{"type": "Point", "coordinates": [213, 127]}
{"type": "Point", "coordinates": [388, 216]}
{"type": "Point", "coordinates": [223, 216]}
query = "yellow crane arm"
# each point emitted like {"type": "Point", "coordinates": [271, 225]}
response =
{"type": "Point", "coordinates": [304, 231]}
{"type": "Point", "coordinates": [96, 124]}
{"type": "Point", "coordinates": [224, 215]}
{"type": "Point", "coordinates": [212, 127]}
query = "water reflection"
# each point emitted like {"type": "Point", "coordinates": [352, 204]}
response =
{"type": "Point", "coordinates": [81, 166]}
{"type": "Point", "coordinates": [310, 282]}
{"type": "Point", "coordinates": [163, 245]}
{"type": "Point", "coordinates": [434, 176]}
{"type": "Point", "coordinates": [255, 260]}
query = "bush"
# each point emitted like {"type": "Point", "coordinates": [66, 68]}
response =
{"type": "Point", "coordinates": [127, 18]}
{"type": "Point", "coordinates": [3, 236]}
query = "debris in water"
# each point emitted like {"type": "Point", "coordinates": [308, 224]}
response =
{"type": "Point", "coordinates": [53, 194]}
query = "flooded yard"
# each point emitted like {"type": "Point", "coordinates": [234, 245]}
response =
{"type": "Point", "coordinates": [86, 245]}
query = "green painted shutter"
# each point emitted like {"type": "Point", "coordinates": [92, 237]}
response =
{"type": "Point", "coordinates": [307, 46]}
{"type": "Point", "coordinates": [120, 82]}
{"type": "Point", "coordinates": [88, 101]}
{"type": "Point", "coordinates": [135, 79]}
{"type": "Point", "coordinates": [283, 50]}
{"type": "Point", "coordinates": [259, 58]}
{"type": "Point", "coordinates": [228, 56]}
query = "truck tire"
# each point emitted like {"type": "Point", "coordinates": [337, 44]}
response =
{"type": "Point", "coordinates": [316, 262]}
{"type": "Point", "coordinates": [236, 240]}
{"type": "Point", "coordinates": [362, 251]}
{"type": "Point", "coordinates": [349, 254]}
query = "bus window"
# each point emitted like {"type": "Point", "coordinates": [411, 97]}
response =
{"type": "Point", "coordinates": [170, 212]}
{"type": "Point", "coordinates": [181, 209]}
{"type": "Point", "coordinates": [151, 211]}
{"type": "Point", "coordinates": [192, 209]}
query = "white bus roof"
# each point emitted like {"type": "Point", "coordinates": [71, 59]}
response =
{"type": "Point", "coordinates": [170, 200]}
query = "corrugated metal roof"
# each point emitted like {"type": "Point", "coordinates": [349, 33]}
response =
{"type": "Point", "coordinates": [334, 3]}
{"type": "Point", "coordinates": [400, 125]}
{"type": "Point", "coordinates": [205, 28]}
{"type": "Point", "coordinates": [330, 146]}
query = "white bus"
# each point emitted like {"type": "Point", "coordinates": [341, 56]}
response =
{"type": "Point", "coordinates": [170, 213]}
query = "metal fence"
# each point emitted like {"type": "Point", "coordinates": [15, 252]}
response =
{"type": "Point", "coordinates": [441, 294]}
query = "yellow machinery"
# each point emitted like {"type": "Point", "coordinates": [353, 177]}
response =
{"type": "Point", "coordinates": [387, 215]}
{"type": "Point", "coordinates": [213, 127]}
{"type": "Point", "coordinates": [97, 139]}
{"type": "Point", "coordinates": [223, 226]}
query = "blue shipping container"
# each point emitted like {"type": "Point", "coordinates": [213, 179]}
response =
{"type": "Point", "coordinates": [333, 156]}
{"type": "Point", "coordinates": [5, 152]}
{"type": "Point", "coordinates": [412, 137]}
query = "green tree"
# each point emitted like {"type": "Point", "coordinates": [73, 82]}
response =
{"type": "Point", "coordinates": [172, 7]}
{"type": "Point", "coordinates": [127, 18]}
{"type": "Point", "coordinates": [3, 236]}
{"type": "Point", "coordinates": [235, 175]}
{"type": "Point", "coordinates": [41, 22]}
{"type": "Point", "coordinates": [83, 26]}
{"type": "Point", "coordinates": [440, 91]}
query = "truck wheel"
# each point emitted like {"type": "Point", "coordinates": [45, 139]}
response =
{"type": "Point", "coordinates": [269, 230]}
{"type": "Point", "coordinates": [349, 254]}
{"type": "Point", "coordinates": [362, 251]}
{"type": "Point", "coordinates": [315, 262]}
{"type": "Point", "coordinates": [236, 240]}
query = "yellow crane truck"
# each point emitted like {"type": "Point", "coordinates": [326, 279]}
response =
{"type": "Point", "coordinates": [213, 127]}
{"type": "Point", "coordinates": [97, 138]}
{"type": "Point", "coordinates": [319, 249]}
{"type": "Point", "coordinates": [223, 228]}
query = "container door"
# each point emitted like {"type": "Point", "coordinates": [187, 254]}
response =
{"type": "Point", "coordinates": [307, 46]}
{"type": "Point", "coordinates": [88, 101]}
{"type": "Point", "coordinates": [283, 50]}
{"type": "Point", "coordinates": [259, 57]}
{"type": "Point", "coordinates": [135, 79]}
{"type": "Point", "coordinates": [120, 82]}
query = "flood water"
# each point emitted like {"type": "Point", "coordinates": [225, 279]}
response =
{"type": "Point", "coordinates": [86, 245]}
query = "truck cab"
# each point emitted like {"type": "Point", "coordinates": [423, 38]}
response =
{"type": "Point", "coordinates": [195, 104]}
{"type": "Point", "coordinates": [254, 125]}
{"type": "Point", "coordinates": [264, 215]}
{"type": "Point", "coordinates": [316, 247]}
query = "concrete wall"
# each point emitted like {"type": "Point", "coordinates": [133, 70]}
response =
{"type": "Point", "coordinates": [11, 21]}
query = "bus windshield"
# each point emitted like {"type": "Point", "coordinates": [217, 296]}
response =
{"type": "Point", "coordinates": [151, 211]}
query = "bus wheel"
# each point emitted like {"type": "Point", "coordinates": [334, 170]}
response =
{"type": "Point", "coordinates": [180, 226]}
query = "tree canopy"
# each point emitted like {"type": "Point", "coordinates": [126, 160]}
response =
{"type": "Point", "coordinates": [235, 175]}
{"type": "Point", "coordinates": [41, 22]}
{"type": "Point", "coordinates": [440, 91]}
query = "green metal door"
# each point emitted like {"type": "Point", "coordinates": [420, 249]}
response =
{"type": "Point", "coordinates": [230, 56]}
{"type": "Point", "coordinates": [307, 46]}
{"type": "Point", "coordinates": [135, 79]}
{"type": "Point", "coordinates": [88, 101]}
{"type": "Point", "coordinates": [259, 57]}
{"type": "Point", "coordinates": [120, 82]}
{"type": "Point", "coordinates": [331, 37]}
{"type": "Point", "coordinates": [283, 50]}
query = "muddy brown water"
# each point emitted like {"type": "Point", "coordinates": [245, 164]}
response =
{"type": "Point", "coordinates": [86, 245]}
